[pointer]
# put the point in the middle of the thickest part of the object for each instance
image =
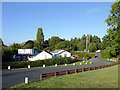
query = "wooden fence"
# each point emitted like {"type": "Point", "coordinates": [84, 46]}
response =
{"type": "Point", "coordinates": [59, 73]}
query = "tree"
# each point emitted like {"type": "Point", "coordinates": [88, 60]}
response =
{"type": "Point", "coordinates": [105, 42]}
{"type": "Point", "coordinates": [97, 40]}
{"type": "Point", "coordinates": [66, 45]}
{"type": "Point", "coordinates": [83, 37]}
{"type": "Point", "coordinates": [40, 39]}
{"type": "Point", "coordinates": [46, 43]}
{"type": "Point", "coordinates": [7, 54]}
{"type": "Point", "coordinates": [113, 31]}
{"type": "Point", "coordinates": [74, 42]}
{"type": "Point", "coordinates": [29, 44]}
{"type": "Point", "coordinates": [53, 41]}
{"type": "Point", "coordinates": [15, 46]}
{"type": "Point", "coordinates": [92, 47]}
{"type": "Point", "coordinates": [81, 45]}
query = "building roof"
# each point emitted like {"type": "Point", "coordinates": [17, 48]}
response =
{"type": "Point", "coordinates": [48, 52]}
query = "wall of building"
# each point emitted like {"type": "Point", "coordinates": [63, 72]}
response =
{"type": "Point", "coordinates": [40, 56]}
{"type": "Point", "coordinates": [67, 54]}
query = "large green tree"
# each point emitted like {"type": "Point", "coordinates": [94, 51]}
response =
{"type": "Point", "coordinates": [113, 31]}
{"type": "Point", "coordinates": [81, 45]}
{"type": "Point", "coordinates": [74, 42]}
{"type": "Point", "coordinates": [66, 45]}
{"type": "Point", "coordinates": [97, 40]}
{"type": "Point", "coordinates": [39, 43]}
{"type": "Point", "coordinates": [92, 47]}
{"type": "Point", "coordinates": [53, 41]}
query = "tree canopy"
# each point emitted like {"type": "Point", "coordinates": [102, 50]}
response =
{"type": "Point", "coordinates": [40, 39]}
{"type": "Point", "coordinates": [113, 37]}
{"type": "Point", "coordinates": [53, 41]}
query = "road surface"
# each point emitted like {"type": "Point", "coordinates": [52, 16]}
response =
{"type": "Point", "coordinates": [12, 78]}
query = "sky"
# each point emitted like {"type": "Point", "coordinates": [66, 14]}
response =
{"type": "Point", "coordinates": [20, 20]}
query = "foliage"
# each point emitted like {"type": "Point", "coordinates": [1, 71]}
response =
{"type": "Point", "coordinates": [105, 42]}
{"type": "Point", "coordinates": [74, 42]}
{"type": "Point", "coordinates": [92, 47]}
{"type": "Point", "coordinates": [113, 22]}
{"type": "Point", "coordinates": [53, 41]}
{"type": "Point", "coordinates": [38, 63]}
{"type": "Point", "coordinates": [40, 39]}
{"type": "Point", "coordinates": [7, 54]}
{"type": "Point", "coordinates": [81, 45]}
{"type": "Point", "coordinates": [15, 46]}
{"type": "Point", "coordinates": [46, 43]}
{"type": "Point", "coordinates": [83, 54]}
{"type": "Point", "coordinates": [83, 37]}
{"type": "Point", "coordinates": [105, 55]}
{"type": "Point", "coordinates": [29, 44]}
{"type": "Point", "coordinates": [97, 40]}
{"type": "Point", "coordinates": [66, 45]}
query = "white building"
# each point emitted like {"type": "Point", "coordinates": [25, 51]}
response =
{"type": "Point", "coordinates": [27, 52]}
{"type": "Point", "coordinates": [61, 53]}
{"type": "Point", "coordinates": [65, 54]}
{"type": "Point", "coordinates": [32, 55]}
{"type": "Point", "coordinates": [42, 55]}
{"type": "Point", "coordinates": [23, 54]}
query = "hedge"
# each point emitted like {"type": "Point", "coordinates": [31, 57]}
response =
{"type": "Point", "coordinates": [105, 55]}
{"type": "Point", "coordinates": [47, 62]}
{"type": "Point", "coordinates": [83, 54]}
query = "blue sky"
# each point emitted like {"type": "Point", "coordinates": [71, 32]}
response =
{"type": "Point", "coordinates": [21, 20]}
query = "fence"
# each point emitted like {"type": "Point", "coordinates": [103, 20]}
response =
{"type": "Point", "coordinates": [47, 75]}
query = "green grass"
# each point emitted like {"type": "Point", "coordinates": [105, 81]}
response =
{"type": "Point", "coordinates": [105, 57]}
{"type": "Point", "coordinates": [83, 54]}
{"type": "Point", "coordinates": [101, 78]}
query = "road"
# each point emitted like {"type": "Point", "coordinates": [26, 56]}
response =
{"type": "Point", "coordinates": [12, 78]}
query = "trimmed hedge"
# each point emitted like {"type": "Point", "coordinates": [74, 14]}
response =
{"type": "Point", "coordinates": [83, 54]}
{"type": "Point", "coordinates": [38, 63]}
{"type": "Point", "coordinates": [105, 55]}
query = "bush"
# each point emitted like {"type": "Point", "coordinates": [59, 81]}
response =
{"type": "Point", "coordinates": [83, 54]}
{"type": "Point", "coordinates": [105, 55]}
{"type": "Point", "coordinates": [47, 62]}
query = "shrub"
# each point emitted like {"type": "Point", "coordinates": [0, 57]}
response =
{"type": "Point", "coordinates": [47, 62]}
{"type": "Point", "coordinates": [105, 55]}
{"type": "Point", "coordinates": [83, 54]}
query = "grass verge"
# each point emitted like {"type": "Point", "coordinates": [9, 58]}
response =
{"type": "Point", "coordinates": [101, 78]}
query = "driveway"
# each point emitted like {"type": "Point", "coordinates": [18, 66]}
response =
{"type": "Point", "coordinates": [14, 77]}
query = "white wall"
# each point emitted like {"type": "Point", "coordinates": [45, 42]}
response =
{"type": "Point", "coordinates": [55, 55]}
{"type": "Point", "coordinates": [26, 51]}
{"type": "Point", "coordinates": [40, 56]}
{"type": "Point", "coordinates": [66, 53]}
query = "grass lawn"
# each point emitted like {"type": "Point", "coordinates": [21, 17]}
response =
{"type": "Point", "coordinates": [110, 59]}
{"type": "Point", "coordinates": [101, 78]}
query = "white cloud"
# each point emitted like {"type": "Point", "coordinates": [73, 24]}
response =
{"type": "Point", "coordinates": [94, 10]}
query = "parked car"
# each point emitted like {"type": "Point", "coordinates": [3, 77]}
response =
{"type": "Point", "coordinates": [73, 57]}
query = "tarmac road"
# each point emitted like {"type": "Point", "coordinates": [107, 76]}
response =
{"type": "Point", "coordinates": [12, 78]}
